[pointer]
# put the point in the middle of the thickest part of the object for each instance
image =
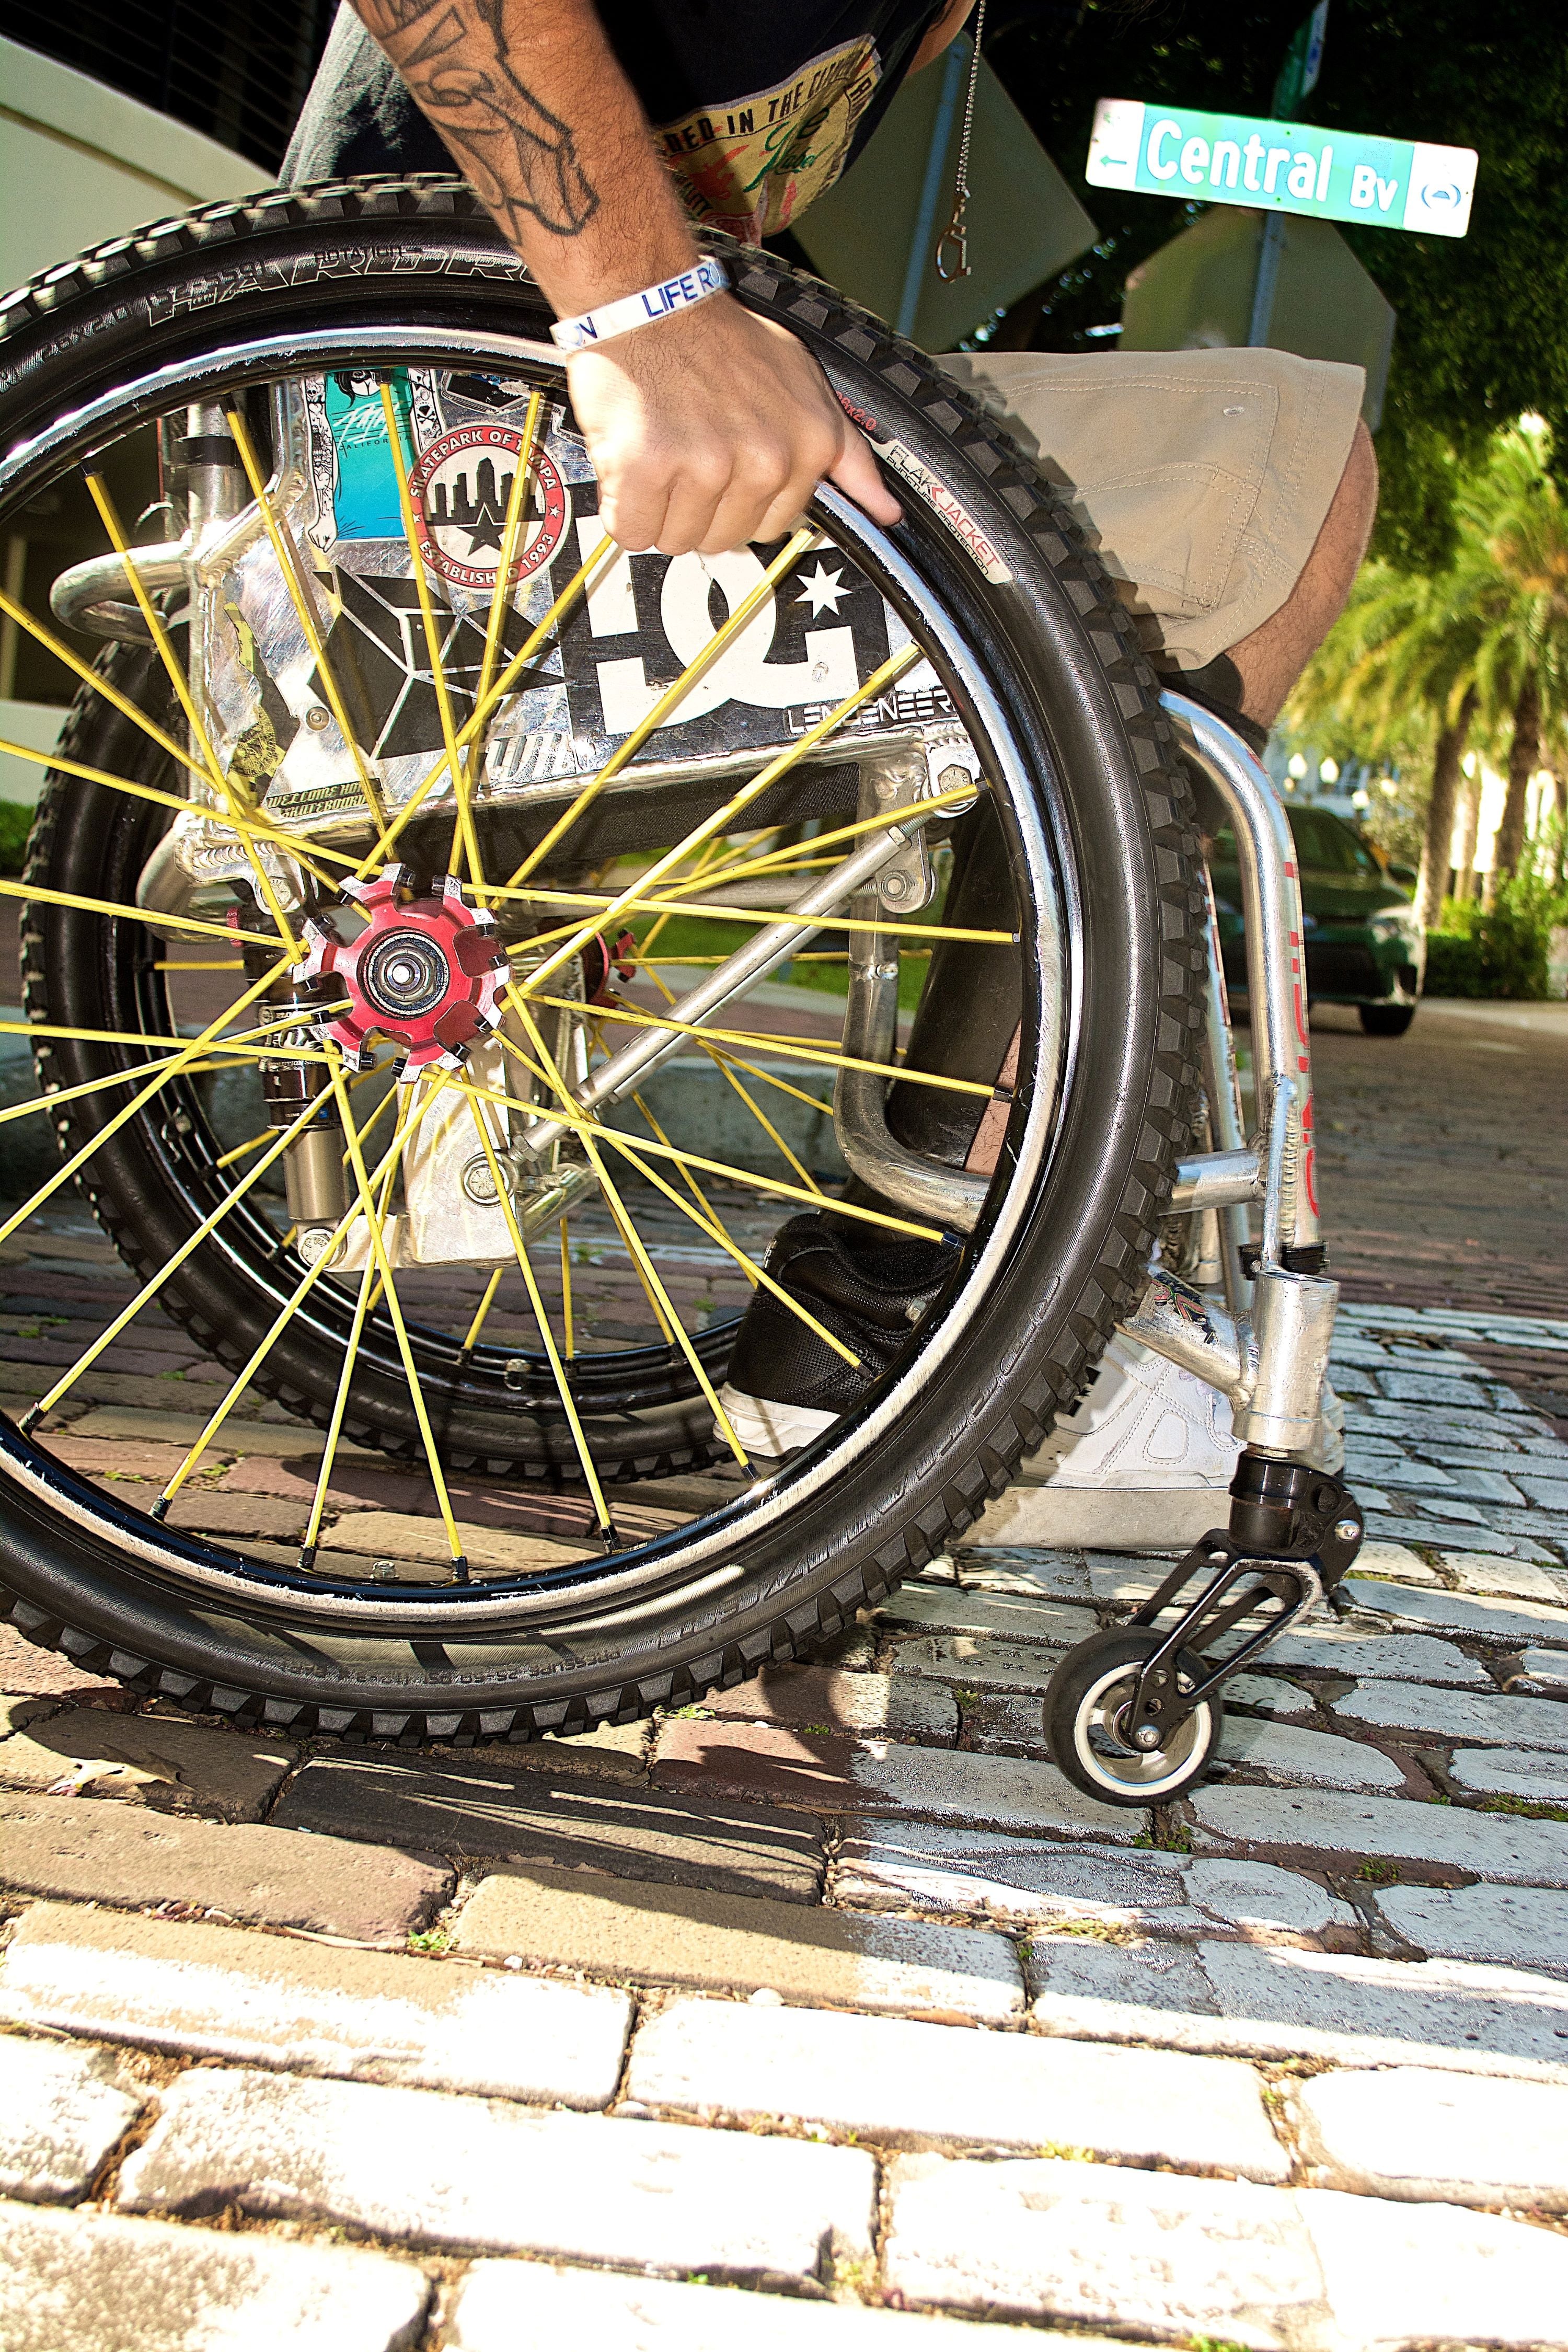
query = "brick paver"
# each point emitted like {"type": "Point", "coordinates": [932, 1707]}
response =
{"type": "Point", "coordinates": [1156, 2254]}
{"type": "Point", "coordinates": [1322, 1823]}
{"type": "Point", "coordinates": [163, 1759]}
{"type": "Point", "coordinates": [313, 2008]}
{"type": "Point", "coordinates": [491, 2176]}
{"type": "Point", "coordinates": [479, 1805]}
{"type": "Point", "coordinates": [726, 1944]}
{"type": "Point", "coordinates": [98, 1852]}
{"type": "Point", "coordinates": [1420, 2133]}
{"type": "Point", "coordinates": [62, 2109]}
{"type": "Point", "coordinates": [94, 2283]}
{"type": "Point", "coordinates": [849, 1901]}
{"type": "Point", "coordinates": [907, 2084]}
{"type": "Point", "coordinates": [625, 2315]}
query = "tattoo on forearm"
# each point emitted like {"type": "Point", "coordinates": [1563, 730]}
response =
{"type": "Point", "coordinates": [521, 160]}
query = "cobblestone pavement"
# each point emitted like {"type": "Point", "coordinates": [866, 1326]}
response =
{"type": "Point", "coordinates": [828, 2015]}
{"type": "Point", "coordinates": [1444, 1155]}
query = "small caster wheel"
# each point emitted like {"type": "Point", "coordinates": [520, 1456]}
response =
{"type": "Point", "coordinates": [1087, 1702]}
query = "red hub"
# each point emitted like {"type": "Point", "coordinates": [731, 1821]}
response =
{"type": "Point", "coordinates": [426, 973]}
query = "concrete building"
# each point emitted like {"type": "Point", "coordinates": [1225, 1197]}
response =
{"type": "Point", "coordinates": [82, 162]}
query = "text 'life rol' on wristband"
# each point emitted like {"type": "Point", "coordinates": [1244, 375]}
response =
{"type": "Point", "coordinates": [707, 277]}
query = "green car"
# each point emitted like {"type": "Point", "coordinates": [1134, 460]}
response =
{"type": "Point", "coordinates": [1364, 946]}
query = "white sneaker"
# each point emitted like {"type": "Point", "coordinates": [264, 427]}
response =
{"type": "Point", "coordinates": [1145, 1426]}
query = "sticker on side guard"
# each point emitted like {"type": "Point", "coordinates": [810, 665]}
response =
{"type": "Point", "coordinates": [948, 505]}
{"type": "Point", "coordinates": [462, 493]}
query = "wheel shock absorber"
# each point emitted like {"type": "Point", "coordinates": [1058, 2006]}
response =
{"type": "Point", "coordinates": [313, 1163]}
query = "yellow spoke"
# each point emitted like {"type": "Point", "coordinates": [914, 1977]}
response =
{"type": "Point", "coordinates": [745, 1177]}
{"type": "Point", "coordinates": [714, 827]}
{"type": "Point", "coordinates": [241, 1150]}
{"type": "Point", "coordinates": [670, 699]}
{"type": "Point", "coordinates": [770, 1043]}
{"type": "Point", "coordinates": [85, 906]}
{"type": "Point", "coordinates": [618, 1214]}
{"type": "Point", "coordinates": [99, 1086]}
{"type": "Point", "coordinates": [303, 1289]}
{"type": "Point", "coordinates": [427, 620]}
{"type": "Point", "coordinates": [558, 1370]}
{"type": "Point", "coordinates": [795, 859]}
{"type": "Point", "coordinates": [756, 1274]}
{"type": "Point", "coordinates": [395, 1308]}
{"type": "Point", "coordinates": [258, 828]}
{"type": "Point", "coordinates": [187, 1055]}
{"type": "Point", "coordinates": [770, 1078]}
{"type": "Point", "coordinates": [334, 1426]}
{"type": "Point", "coordinates": [754, 918]}
{"type": "Point", "coordinates": [566, 1288]}
{"type": "Point", "coordinates": [236, 807]}
{"type": "Point", "coordinates": [510, 546]}
{"type": "Point", "coordinates": [644, 1265]}
{"type": "Point", "coordinates": [478, 1325]}
{"type": "Point", "coordinates": [711, 963]}
{"type": "Point", "coordinates": [288, 556]}
{"type": "Point", "coordinates": [240, 1047]}
{"type": "Point", "coordinates": [99, 685]}
{"type": "Point", "coordinates": [181, 963]}
{"type": "Point", "coordinates": [711, 850]}
{"type": "Point", "coordinates": [501, 597]}
{"type": "Point", "coordinates": [379, 852]}
{"type": "Point", "coordinates": [369, 1291]}
{"type": "Point", "coordinates": [383, 1105]}
{"type": "Point", "coordinates": [698, 1194]}
{"type": "Point", "coordinates": [170, 1266]}
{"type": "Point", "coordinates": [719, 1062]}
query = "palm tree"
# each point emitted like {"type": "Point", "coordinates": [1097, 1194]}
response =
{"type": "Point", "coordinates": [1510, 577]}
{"type": "Point", "coordinates": [1396, 672]}
{"type": "Point", "coordinates": [1421, 665]}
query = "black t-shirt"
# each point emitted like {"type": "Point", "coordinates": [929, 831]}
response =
{"type": "Point", "coordinates": [756, 107]}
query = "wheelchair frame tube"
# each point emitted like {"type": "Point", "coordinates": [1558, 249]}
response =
{"type": "Point", "coordinates": [1276, 969]}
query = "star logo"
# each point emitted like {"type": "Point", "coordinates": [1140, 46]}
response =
{"type": "Point", "coordinates": [825, 590]}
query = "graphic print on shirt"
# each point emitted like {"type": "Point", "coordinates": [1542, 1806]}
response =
{"type": "Point", "coordinates": [748, 168]}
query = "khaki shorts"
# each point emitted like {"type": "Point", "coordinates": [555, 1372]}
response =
{"type": "Point", "coordinates": [1203, 477]}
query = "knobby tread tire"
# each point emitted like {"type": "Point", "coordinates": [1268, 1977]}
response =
{"type": "Point", "coordinates": [127, 301]}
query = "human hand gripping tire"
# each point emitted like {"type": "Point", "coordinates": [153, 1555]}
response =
{"type": "Point", "coordinates": [714, 428]}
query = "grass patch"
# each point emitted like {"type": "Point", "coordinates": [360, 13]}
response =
{"type": "Point", "coordinates": [15, 825]}
{"type": "Point", "coordinates": [1527, 1808]}
{"type": "Point", "coordinates": [824, 967]}
{"type": "Point", "coordinates": [1378, 1873]}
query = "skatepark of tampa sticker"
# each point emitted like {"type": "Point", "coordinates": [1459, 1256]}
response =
{"type": "Point", "coordinates": [461, 490]}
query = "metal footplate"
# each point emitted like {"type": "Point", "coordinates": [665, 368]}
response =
{"type": "Point", "coordinates": [1294, 1532]}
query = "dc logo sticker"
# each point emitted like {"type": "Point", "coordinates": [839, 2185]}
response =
{"type": "Point", "coordinates": [461, 488]}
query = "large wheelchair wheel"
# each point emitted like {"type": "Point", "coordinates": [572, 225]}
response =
{"type": "Point", "coordinates": [446, 939]}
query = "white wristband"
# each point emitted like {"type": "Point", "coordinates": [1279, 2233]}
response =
{"type": "Point", "coordinates": [644, 310]}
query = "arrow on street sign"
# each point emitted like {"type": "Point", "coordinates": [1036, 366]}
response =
{"type": "Point", "coordinates": [1283, 167]}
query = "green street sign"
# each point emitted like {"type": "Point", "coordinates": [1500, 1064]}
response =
{"type": "Point", "coordinates": [1303, 64]}
{"type": "Point", "coordinates": [1283, 167]}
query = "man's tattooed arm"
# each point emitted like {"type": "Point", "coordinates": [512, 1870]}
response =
{"type": "Point", "coordinates": [707, 430]}
{"type": "Point", "coordinates": [520, 158]}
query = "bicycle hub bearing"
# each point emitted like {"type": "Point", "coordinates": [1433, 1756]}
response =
{"type": "Point", "coordinates": [426, 973]}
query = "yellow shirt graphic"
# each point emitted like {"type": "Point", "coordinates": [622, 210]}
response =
{"type": "Point", "coordinates": [750, 167]}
